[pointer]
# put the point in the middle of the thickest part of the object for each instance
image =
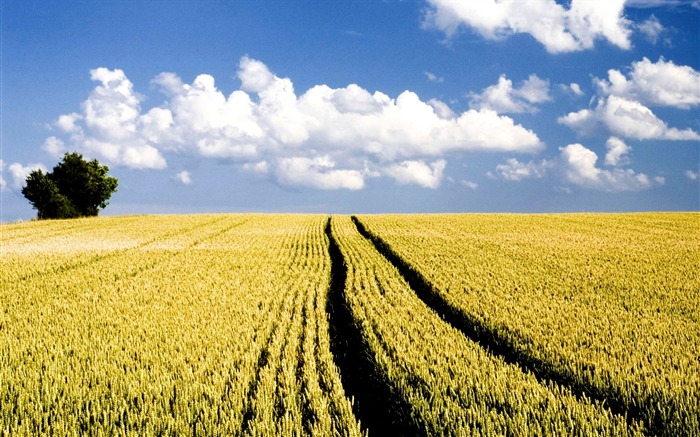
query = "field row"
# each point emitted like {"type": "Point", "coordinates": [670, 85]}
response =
{"type": "Point", "coordinates": [452, 385]}
{"type": "Point", "coordinates": [206, 325]}
{"type": "Point", "coordinates": [604, 304]}
{"type": "Point", "coordinates": [388, 325]}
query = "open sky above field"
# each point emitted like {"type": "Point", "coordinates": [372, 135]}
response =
{"type": "Point", "coordinates": [369, 106]}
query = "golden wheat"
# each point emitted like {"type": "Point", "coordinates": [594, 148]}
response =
{"type": "Point", "coordinates": [605, 302]}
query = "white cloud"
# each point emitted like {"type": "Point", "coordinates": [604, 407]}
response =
{"type": "Point", "coordinates": [265, 121]}
{"type": "Point", "coordinates": [622, 102]}
{"type": "Point", "coordinates": [579, 165]}
{"type": "Point", "coordinates": [469, 184]}
{"type": "Point", "coordinates": [138, 156]}
{"type": "Point", "coordinates": [317, 173]}
{"type": "Point", "coordinates": [583, 121]}
{"type": "Point", "coordinates": [557, 28]}
{"type": "Point", "coordinates": [692, 175]}
{"type": "Point", "coordinates": [651, 28]}
{"type": "Point", "coordinates": [534, 90]}
{"type": "Point", "coordinates": [433, 78]}
{"type": "Point", "coordinates": [155, 123]}
{"type": "Point", "coordinates": [255, 76]}
{"type": "Point", "coordinates": [260, 167]}
{"type": "Point", "coordinates": [277, 102]}
{"type": "Point", "coordinates": [355, 100]}
{"type": "Point", "coordinates": [576, 89]}
{"type": "Point", "coordinates": [502, 97]}
{"type": "Point", "coordinates": [54, 147]}
{"type": "Point", "coordinates": [66, 122]}
{"type": "Point", "coordinates": [407, 127]}
{"type": "Point", "coordinates": [110, 126]}
{"type": "Point", "coordinates": [617, 152]}
{"type": "Point", "coordinates": [634, 120]}
{"type": "Point", "coordinates": [199, 118]}
{"type": "Point", "coordinates": [169, 83]}
{"type": "Point", "coordinates": [19, 173]}
{"type": "Point", "coordinates": [418, 173]}
{"type": "Point", "coordinates": [112, 109]}
{"type": "Point", "coordinates": [626, 118]}
{"type": "Point", "coordinates": [441, 109]}
{"type": "Point", "coordinates": [514, 170]}
{"type": "Point", "coordinates": [662, 83]}
{"type": "Point", "coordinates": [184, 177]}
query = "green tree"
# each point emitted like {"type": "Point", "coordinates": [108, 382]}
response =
{"type": "Point", "coordinates": [44, 196]}
{"type": "Point", "coordinates": [75, 188]}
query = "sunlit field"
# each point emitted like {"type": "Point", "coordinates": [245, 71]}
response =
{"type": "Point", "coordinates": [264, 324]}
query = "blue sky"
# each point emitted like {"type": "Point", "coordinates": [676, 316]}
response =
{"type": "Point", "coordinates": [362, 106]}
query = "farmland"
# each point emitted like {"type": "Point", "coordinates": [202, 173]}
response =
{"type": "Point", "coordinates": [245, 324]}
{"type": "Point", "coordinates": [169, 325]}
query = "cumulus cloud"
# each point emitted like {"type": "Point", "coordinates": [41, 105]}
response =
{"type": "Point", "coordinates": [66, 122]}
{"type": "Point", "coordinates": [575, 88]}
{"type": "Point", "coordinates": [355, 100]}
{"type": "Point", "coordinates": [623, 101]}
{"type": "Point", "coordinates": [625, 118]}
{"type": "Point", "coordinates": [110, 126]}
{"type": "Point", "coordinates": [617, 152]}
{"type": "Point", "coordinates": [407, 127]}
{"type": "Point", "coordinates": [294, 135]}
{"type": "Point", "coordinates": [558, 28]}
{"type": "Point", "coordinates": [18, 174]}
{"type": "Point", "coordinates": [184, 177]}
{"type": "Point", "coordinates": [199, 118]}
{"type": "Point", "coordinates": [657, 84]}
{"type": "Point", "coordinates": [584, 121]}
{"type": "Point", "coordinates": [503, 97]}
{"type": "Point", "coordinates": [634, 120]}
{"type": "Point", "coordinates": [260, 167]}
{"type": "Point", "coordinates": [692, 175]}
{"type": "Point", "coordinates": [113, 108]}
{"type": "Point", "coordinates": [54, 147]}
{"type": "Point", "coordinates": [579, 165]}
{"type": "Point", "coordinates": [469, 184]}
{"type": "Point", "coordinates": [651, 28]}
{"type": "Point", "coordinates": [318, 173]}
{"type": "Point", "coordinates": [514, 170]}
{"type": "Point", "coordinates": [418, 173]}
{"type": "Point", "coordinates": [441, 109]}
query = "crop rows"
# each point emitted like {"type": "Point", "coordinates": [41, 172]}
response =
{"type": "Point", "coordinates": [65, 247]}
{"type": "Point", "coordinates": [204, 326]}
{"type": "Point", "coordinates": [604, 304]}
{"type": "Point", "coordinates": [248, 324]}
{"type": "Point", "coordinates": [452, 385]}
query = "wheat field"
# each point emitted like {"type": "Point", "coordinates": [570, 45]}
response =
{"type": "Point", "coordinates": [287, 324]}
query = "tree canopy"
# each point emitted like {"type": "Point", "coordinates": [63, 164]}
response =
{"type": "Point", "coordinates": [75, 188]}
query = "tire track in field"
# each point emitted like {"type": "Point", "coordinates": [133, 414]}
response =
{"type": "Point", "coordinates": [495, 342]}
{"type": "Point", "coordinates": [379, 409]}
